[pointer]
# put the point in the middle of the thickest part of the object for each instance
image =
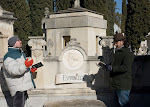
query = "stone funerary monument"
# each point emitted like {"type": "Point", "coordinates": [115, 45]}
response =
{"type": "Point", "coordinates": [6, 30]}
{"type": "Point", "coordinates": [69, 50]}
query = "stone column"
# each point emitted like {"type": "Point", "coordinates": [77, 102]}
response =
{"type": "Point", "coordinates": [77, 3]}
{"type": "Point", "coordinates": [3, 45]}
{"type": "Point", "coordinates": [37, 44]}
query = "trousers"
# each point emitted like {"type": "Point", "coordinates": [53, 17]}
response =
{"type": "Point", "coordinates": [122, 97]}
{"type": "Point", "coordinates": [19, 99]}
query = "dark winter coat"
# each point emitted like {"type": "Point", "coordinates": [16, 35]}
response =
{"type": "Point", "coordinates": [121, 69]}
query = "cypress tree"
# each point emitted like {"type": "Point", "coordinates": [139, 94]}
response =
{"type": "Point", "coordinates": [64, 4]}
{"type": "Point", "coordinates": [100, 6]}
{"type": "Point", "coordinates": [110, 17]}
{"type": "Point", "coordinates": [37, 9]}
{"type": "Point", "coordinates": [22, 26]}
{"type": "Point", "coordinates": [117, 19]}
{"type": "Point", "coordinates": [105, 7]}
{"type": "Point", "coordinates": [137, 23]}
{"type": "Point", "coordinates": [124, 15]}
{"type": "Point", "coordinates": [5, 4]}
{"type": "Point", "coordinates": [146, 16]}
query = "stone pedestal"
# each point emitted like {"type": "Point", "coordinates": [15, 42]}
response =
{"type": "Point", "coordinates": [37, 44]}
{"type": "Point", "coordinates": [3, 45]}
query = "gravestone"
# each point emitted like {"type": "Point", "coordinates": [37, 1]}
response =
{"type": "Point", "coordinates": [72, 64]}
{"type": "Point", "coordinates": [69, 63]}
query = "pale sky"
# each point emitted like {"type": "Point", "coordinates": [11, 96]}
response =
{"type": "Point", "coordinates": [119, 5]}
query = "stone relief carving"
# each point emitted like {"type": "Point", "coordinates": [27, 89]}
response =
{"type": "Point", "coordinates": [46, 13]}
{"type": "Point", "coordinates": [73, 59]}
{"type": "Point", "coordinates": [6, 27]}
{"type": "Point", "coordinates": [36, 43]}
{"type": "Point", "coordinates": [36, 52]}
{"type": "Point", "coordinates": [106, 41]}
{"type": "Point", "coordinates": [143, 48]}
{"type": "Point", "coordinates": [49, 44]}
{"type": "Point", "coordinates": [73, 42]}
{"type": "Point", "coordinates": [37, 46]}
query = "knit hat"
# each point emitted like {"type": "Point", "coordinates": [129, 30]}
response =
{"type": "Point", "coordinates": [119, 37]}
{"type": "Point", "coordinates": [12, 41]}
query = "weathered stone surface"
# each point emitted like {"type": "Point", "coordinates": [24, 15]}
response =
{"type": "Point", "coordinates": [6, 30]}
{"type": "Point", "coordinates": [82, 24]}
{"type": "Point", "coordinates": [76, 22]}
{"type": "Point", "coordinates": [76, 103]}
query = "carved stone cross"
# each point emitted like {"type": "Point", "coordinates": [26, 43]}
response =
{"type": "Point", "coordinates": [77, 3]}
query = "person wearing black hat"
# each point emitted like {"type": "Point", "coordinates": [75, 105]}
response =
{"type": "Point", "coordinates": [17, 72]}
{"type": "Point", "coordinates": [120, 70]}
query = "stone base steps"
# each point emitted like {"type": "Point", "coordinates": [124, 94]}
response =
{"type": "Point", "coordinates": [76, 103]}
{"type": "Point", "coordinates": [39, 97]}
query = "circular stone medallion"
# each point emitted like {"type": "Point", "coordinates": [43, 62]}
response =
{"type": "Point", "coordinates": [73, 59]}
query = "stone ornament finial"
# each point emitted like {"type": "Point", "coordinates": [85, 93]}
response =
{"type": "Point", "coordinates": [73, 42]}
{"type": "Point", "coordinates": [1, 11]}
{"type": "Point", "coordinates": [1, 8]}
{"type": "Point", "coordinates": [143, 48]}
{"type": "Point", "coordinates": [46, 12]}
{"type": "Point", "coordinates": [106, 42]}
{"type": "Point", "coordinates": [77, 3]}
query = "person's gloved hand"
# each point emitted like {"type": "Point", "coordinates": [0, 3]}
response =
{"type": "Point", "coordinates": [108, 67]}
{"type": "Point", "coordinates": [28, 63]}
{"type": "Point", "coordinates": [33, 70]}
{"type": "Point", "coordinates": [101, 65]}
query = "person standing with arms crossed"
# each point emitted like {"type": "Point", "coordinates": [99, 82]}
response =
{"type": "Point", "coordinates": [17, 72]}
{"type": "Point", "coordinates": [120, 70]}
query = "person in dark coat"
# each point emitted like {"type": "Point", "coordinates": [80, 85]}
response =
{"type": "Point", "coordinates": [120, 70]}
